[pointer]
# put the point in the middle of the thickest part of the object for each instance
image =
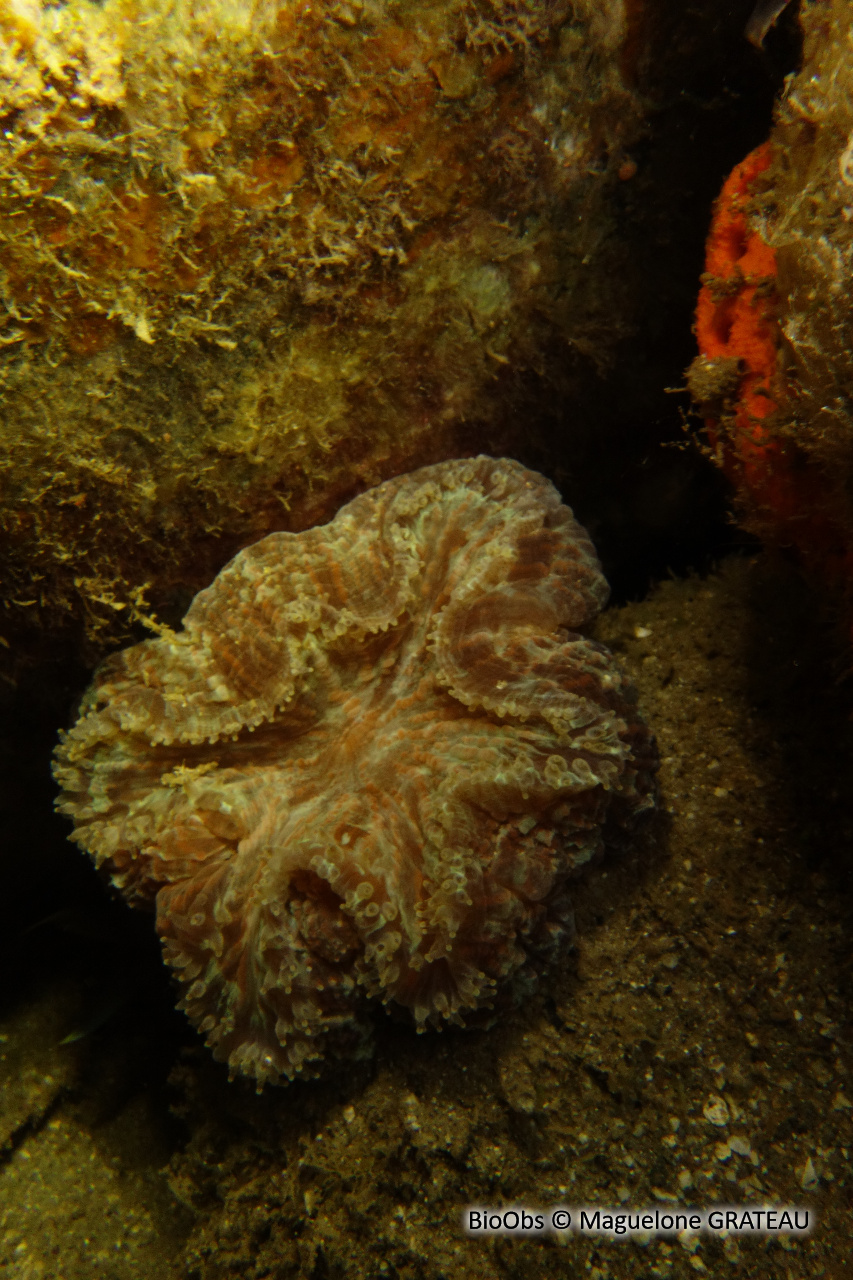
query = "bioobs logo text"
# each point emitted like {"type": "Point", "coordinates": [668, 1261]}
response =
{"type": "Point", "coordinates": [510, 1221]}
{"type": "Point", "coordinates": [767, 1220]}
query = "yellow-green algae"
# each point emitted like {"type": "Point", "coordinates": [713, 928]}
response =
{"type": "Point", "coordinates": [256, 256]}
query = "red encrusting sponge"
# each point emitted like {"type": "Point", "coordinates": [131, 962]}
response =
{"type": "Point", "coordinates": [784, 494]}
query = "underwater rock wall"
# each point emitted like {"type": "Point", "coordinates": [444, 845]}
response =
{"type": "Point", "coordinates": [255, 257]}
{"type": "Point", "coordinates": [810, 226]}
{"type": "Point", "coordinates": [775, 314]}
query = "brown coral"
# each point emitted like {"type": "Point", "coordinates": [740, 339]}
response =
{"type": "Point", "coordinates": [367, 765]}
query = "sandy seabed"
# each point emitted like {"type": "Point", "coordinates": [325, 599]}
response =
{"type": "Point", "coordinates": [694, 1051]}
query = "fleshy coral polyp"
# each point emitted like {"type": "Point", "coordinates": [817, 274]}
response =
{"type": "Point", "coordinates": [367, 767]}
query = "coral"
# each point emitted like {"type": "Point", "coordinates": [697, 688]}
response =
{"type": "Point", "coordinates": [256, 255]}
{"type": "Point", "coordinates": [776, 301]}
{"type": "Point", "coordinates": [366, 767]}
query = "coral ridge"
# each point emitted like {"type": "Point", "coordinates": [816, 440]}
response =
{"type": "Point", "coordinates": [366, 767]}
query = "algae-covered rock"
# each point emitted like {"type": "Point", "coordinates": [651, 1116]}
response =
{"type": "Point", "coordinates": [776, 311]}
{"type": "Point", "coordinates": [808, 220]}
{"type": "Point", "coordinates": [257, 256]}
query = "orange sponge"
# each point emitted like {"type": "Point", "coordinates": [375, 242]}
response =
{"type": "Point", "coordinates": [784, 494]}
